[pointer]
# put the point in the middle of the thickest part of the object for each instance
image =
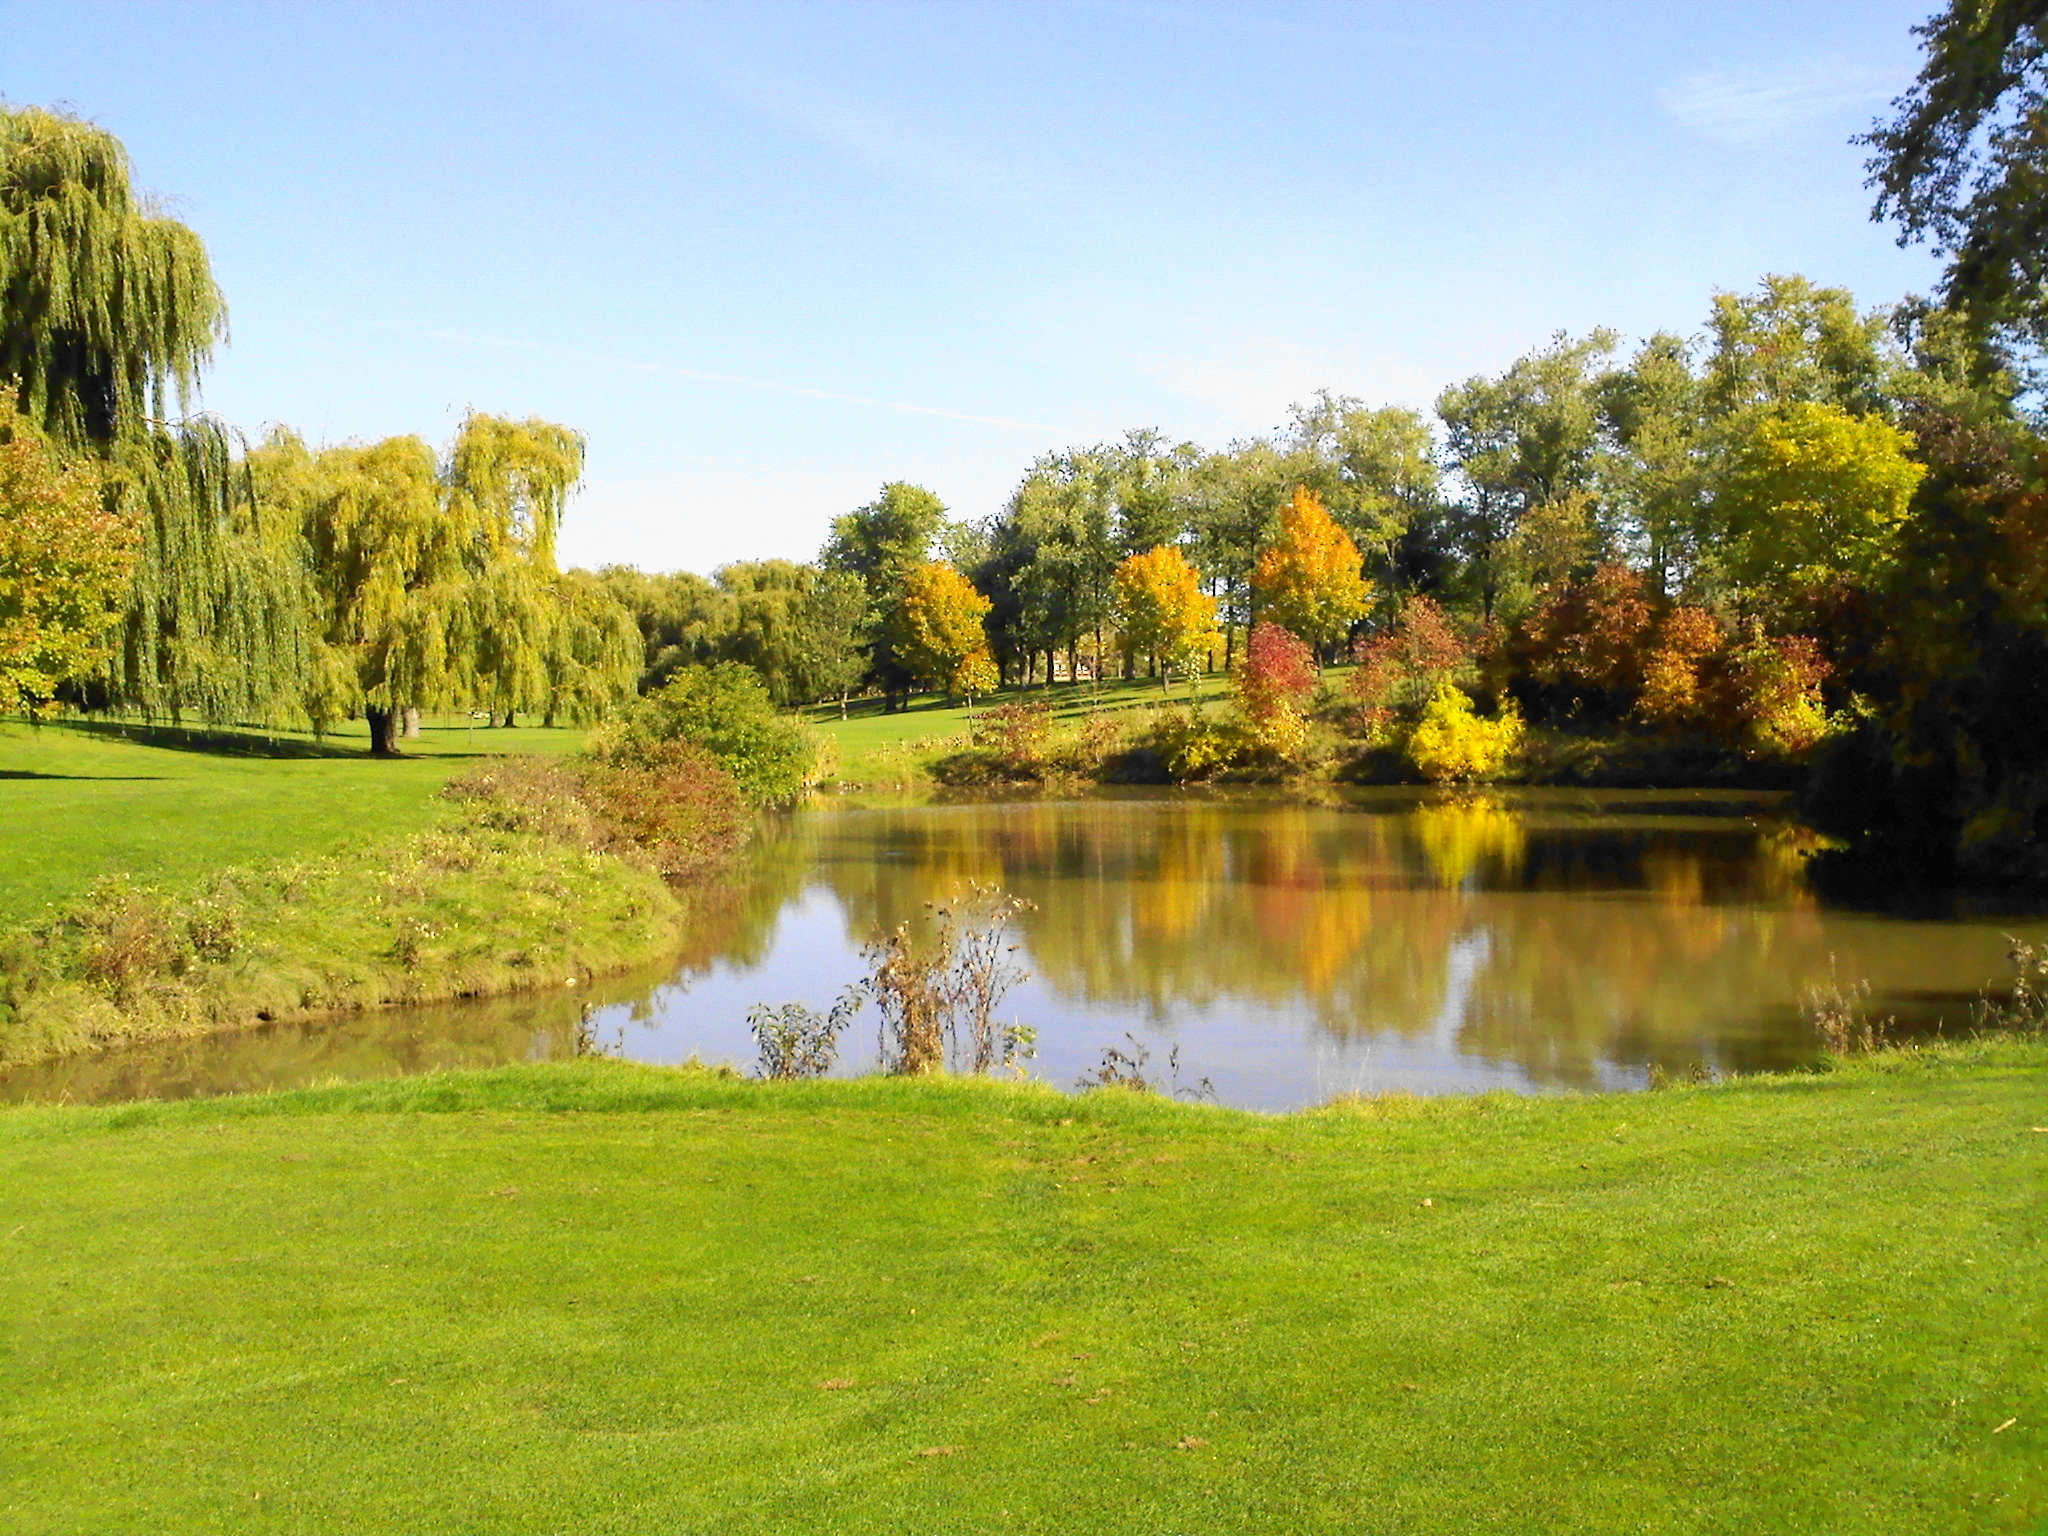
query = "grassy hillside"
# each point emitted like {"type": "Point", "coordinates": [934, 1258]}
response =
{"type": "Point", "coordinates": [84, 800]}
{"type": "Point", "coordinates": [606, 1298]}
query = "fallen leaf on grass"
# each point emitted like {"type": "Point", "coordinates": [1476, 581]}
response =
{"type": "Point", "coordinates": [1190, 1443]}
{"type": "Point", "coordinates": [2008, 1424]}
{"type": "Point", "coordinates": [507, 1192]}
{"type": "Point", "coordinates": [398, 1381]}
{"type": "Point", "coordinates": [1085, 1354]}
{"type": "Point", "coordinates": [937, 1450]}
{"type": "Point", "coordinates": [1044, 1339]}
{"type": "Point", "coordinates": [1429, 1202]}
{"type": "Point", "coordinates": [1409, 1386]}
{"type": "Point", "coordinates": [1065, 1381]}
{"type": "Point", "coordinates": [837, 1384]}
{"type": "Point", "coordinates": [1719, 1282]}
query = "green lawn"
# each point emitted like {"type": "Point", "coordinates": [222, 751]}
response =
{"type": "Point", "coordinates": [84, 800]}
{"type": "Point", "coordinates": [608, 1298]}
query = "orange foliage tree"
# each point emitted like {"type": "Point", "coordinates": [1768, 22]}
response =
{"type": "Point", "coordinates": [1163, 611]}
{"type": "Point", "coordinates": [1310, 579]}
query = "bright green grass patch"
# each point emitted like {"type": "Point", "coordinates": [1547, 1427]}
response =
{"type": "Point", "coordinates": [605, 1298]}
{"type": "Point", "coordinates": [78, 802]}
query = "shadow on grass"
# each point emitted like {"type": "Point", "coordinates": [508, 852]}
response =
{"type": "Point", "coordinates": [216, 743]}
{"type": "Point", "coordinates": [84, 778]}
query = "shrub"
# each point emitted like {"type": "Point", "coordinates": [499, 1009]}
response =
{"type": "Point", "coordinates": [796, 1041]}
{"type": "Point", "coordinates": [1277, 677]}
{"type": "Point", "coordinates": [1453, 745]}
{"type": "Point", "coordinates": [1193, 746]}
{"type": "Point", "coordinates": [1678, 670]}
{"type": "Point", "coordinates": [670, 804]}
{"type": "Point", "coordinates": [1776, 682]}
{"type": "Point", "coordinates": [725, 710]}
{"type": "Point", "coordinates": [938, 997]}
{"type": "Point", "coordinates": [1015, 738]}
{"type": "Point", "coordinates": [1400, 667]}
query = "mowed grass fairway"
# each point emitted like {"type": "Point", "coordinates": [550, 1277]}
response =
{"type": "Point", "coordinates": [608, 1298]}
{"type": "Point", "coordinates": [82, 802]}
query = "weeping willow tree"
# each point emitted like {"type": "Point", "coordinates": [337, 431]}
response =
{"type": "Point", "coordinates": [436, 585]}
{"type": "Point", "coordinates": [108, 316]}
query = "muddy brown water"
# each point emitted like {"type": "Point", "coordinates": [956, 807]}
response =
{"type": "Point", "coordinates": [1281, 953]}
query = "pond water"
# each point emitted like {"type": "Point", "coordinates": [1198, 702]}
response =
{"type": "Point", "coordinates": [1280, 952]}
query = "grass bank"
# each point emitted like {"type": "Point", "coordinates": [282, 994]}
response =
{"type": "Point", "coordinates": [395, 895]}
{"type": "Point", "coordinates": [605, 1298]}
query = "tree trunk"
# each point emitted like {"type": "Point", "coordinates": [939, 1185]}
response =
{"type": "Point", "coordinates": [508, 720]}
{"type": "Point", "coordinates": [412, 723]}
{"type": "Point", "coordinates": [384, 727]}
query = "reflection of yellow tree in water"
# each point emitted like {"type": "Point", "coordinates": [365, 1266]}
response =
{"type": "Point", "coordinates": [1646, 939]}
{"type": "Point", "coordinates": [1458, 836]}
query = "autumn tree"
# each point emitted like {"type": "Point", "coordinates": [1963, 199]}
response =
{"type": "Point", "coordinates": [1309, 578]}
{"type": "Point", "coordinates": [65, 562]}
{"type": "Point", "coordinates": [1163, 611]}
{"type": "Point", "coordinates": [938, 630]}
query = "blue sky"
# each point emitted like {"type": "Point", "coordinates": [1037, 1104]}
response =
{"type": "Point", "coordinates": [768, 256]}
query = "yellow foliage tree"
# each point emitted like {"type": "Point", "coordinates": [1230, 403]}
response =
{"type": "Point", "coordinates": [1310, 579]}
{"type": "Point", "coordinates": [939, 633]}
{"type": "Point", "coordinates": [1163, 611]}
{"type": "Point", "coordinates": [1451, 744]}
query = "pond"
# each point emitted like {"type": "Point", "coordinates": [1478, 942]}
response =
{"type": "Point", "coordinates": [1270, 952]}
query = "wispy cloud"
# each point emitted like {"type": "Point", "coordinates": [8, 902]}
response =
{"type": "Point", "coordinates": [1751, 107]}
{"type": "Point", "coordinates": [731, 380]}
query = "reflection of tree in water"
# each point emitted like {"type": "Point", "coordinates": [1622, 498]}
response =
{"type": "Point", "coordinates": [1588, 946]}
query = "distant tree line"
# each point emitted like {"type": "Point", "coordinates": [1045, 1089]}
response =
{"type": "Point", "coordinates": [1812, 529]}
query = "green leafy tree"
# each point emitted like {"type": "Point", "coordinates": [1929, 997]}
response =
{"type": "Point", "coordinates": [1375, 469]}
{"type": "Point", "coordinates": [724, 709]}
{"type": "Point", "coordinates": [108, 316]}
{"type": "Point", "coordinates": [1235, 500]}
{"type": "Point", "coordinates": [1527, 439]}
{"type": "Point", "coordinates": [438, 588]}
{"type": "Point", "coordinates": [1964, 164]}
{"type": "Point", "coordinates": [1815, 495]}
{"type": "Point", "coordinates": [880, 544]}
{"type": "Point", "coordinates": [1791, 342]}
{"type": "Point", "coordinates": [680, 616]}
